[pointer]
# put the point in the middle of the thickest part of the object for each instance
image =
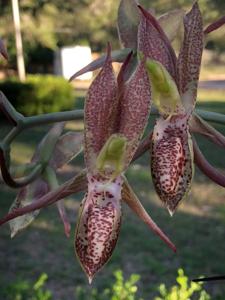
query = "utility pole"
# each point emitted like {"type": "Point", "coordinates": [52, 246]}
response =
{"type": "Point", "coordinates": [19, 44]}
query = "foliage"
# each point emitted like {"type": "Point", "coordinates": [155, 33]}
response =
{"type": "Point", "coordinates": [183, 291]}
{"type": "Point", "coordinates": [120, 290]}
{"type": "Point", "coordinates": [39, 94]}
{"type": "Point", "coordinates": [24, 290]}
{"type": "Point", "coordinates": [41, 25]}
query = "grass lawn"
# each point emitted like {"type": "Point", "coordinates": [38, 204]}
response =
{"type": "Point", "coordinates": [197, 229]}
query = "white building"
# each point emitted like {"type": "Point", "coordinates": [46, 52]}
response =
{"type": "Point", "coordinates": [69, 60]}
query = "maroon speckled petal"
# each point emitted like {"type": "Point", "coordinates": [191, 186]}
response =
{"type": "Point", "coordinates": [116, 56]}
{"type": "Point", "coordinates": [100, 112]}
{"type": "Point", "coordinates": [215, 25]}
{"type": "Point", "coordinates": [128, 20]}
{"type": "Point", "coordinates": [210, 171]}
{"type": "Point", "coordinates": [172, 160]}
{"type": "Point", "coordinates": [135, 107]}
{"type": "Point", "coordinates": [189, 60]}
{"type": "Point", "coordinates": [64, 217]}
{"type": "Point", "coordinates": [198, 125]}
{"type": "Point", "coordinates": [153, 42]}
{"type": "Point", "coordinates": [133, 202]}
{"type": "Point", "coordinates": [99, 224]}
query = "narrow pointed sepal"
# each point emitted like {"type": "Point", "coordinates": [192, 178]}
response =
{"type": "Point", "coordinates": [128, 20]}
{"type": "Point", "coordinates": [210, 171]}
{"type": "Point", "coordinates": [198, 125]}
{"type": "Point", "coordinates": [151, 34]}
{"type": "Point", "coordinates": [189, 60]}
{"type": "Point", "coordinates": [215, 25]}
{"type": "Point", "coordinates": [135, 108]}
{"type": "Point", "coordinates": [64, 217]}
{"type": "Point", "coordinates": [172, 160]}
{"type": "Point", "coordinates": [100, 112]}
{"type": "Point", "coordinates": [117, 56]}
{"type": "Point", "coordinates": [99, 224]}
{"type": "Point", "coordinates": [133, 202]}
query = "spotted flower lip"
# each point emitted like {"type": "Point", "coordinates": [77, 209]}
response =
{"type": "Point", "coordinates": [99, 223]}
{"type": "Point", "coordinates": [172, 160]}
{"type": "Point", "coordinates": [116, 113]}
{"type": "Point", "coordinates": [175, 96]}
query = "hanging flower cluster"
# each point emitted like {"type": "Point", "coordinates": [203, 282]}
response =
{"type": "Point", "coordinates": [115, 117]}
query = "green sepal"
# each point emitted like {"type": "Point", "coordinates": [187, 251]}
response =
{"type": "Point", "coordinates": [165, 93]}
{"type": "Point", "coordinates": [111, 158]}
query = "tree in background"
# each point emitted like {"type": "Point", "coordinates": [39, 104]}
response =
{"type": "Point", "coordinates": [49, 24]}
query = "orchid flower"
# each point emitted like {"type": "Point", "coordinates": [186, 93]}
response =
{"type": "Point", "coordinates": [115, 117]}
{"type": "Point", "coordinates": [116, 114]}
{"type": "Point", "coordinates": [174, 82]}
{"type": "Point", "coordinates": [63, 149]}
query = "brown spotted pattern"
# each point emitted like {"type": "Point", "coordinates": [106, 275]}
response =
{"type": "Point", "coordinates": [100, 112]}
{"type": "Point", "coordinates": [99, 223]}
{"type": "Point", "coordinates": [172, 167]}
{"type": "Point", "coordinates": [135, 108]}
{"type": "Point", "coordinates": [153, 42]}
{"type": "Point", "coordinates": [189, 60]}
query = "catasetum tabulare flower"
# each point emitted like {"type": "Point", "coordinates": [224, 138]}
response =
{"type": "Point", "coordinates": [116, 114]}
{"type": "Point", "coordinates": [174, 88]}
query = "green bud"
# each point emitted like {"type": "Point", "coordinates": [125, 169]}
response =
{"type": "Point", "coordinates": [165, 93]}
{"type": "Point", "coordinates": [111, 158]}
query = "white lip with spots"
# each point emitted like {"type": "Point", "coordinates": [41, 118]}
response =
{"type": "Point", "coordinates": [99, 223]}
